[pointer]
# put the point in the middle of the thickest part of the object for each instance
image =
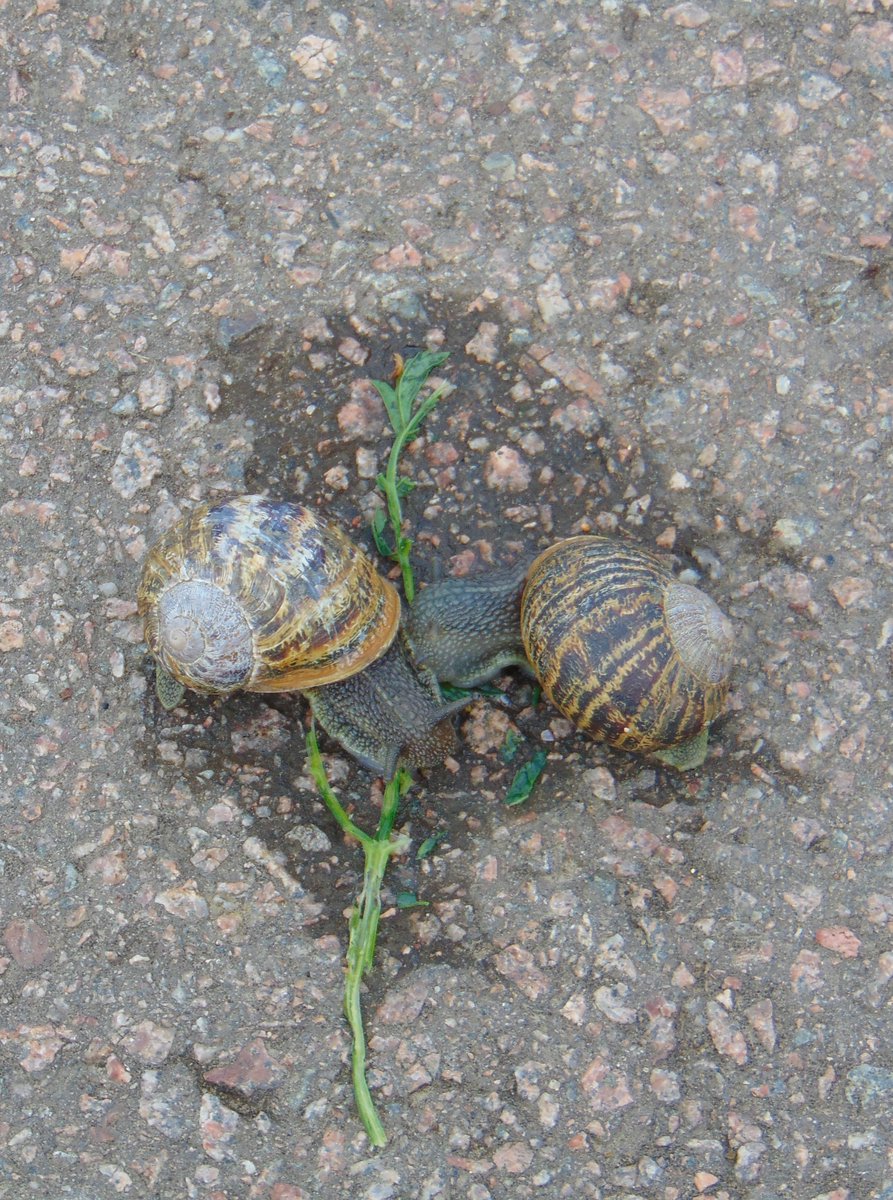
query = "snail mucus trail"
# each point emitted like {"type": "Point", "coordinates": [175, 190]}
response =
{"type": "Point", "coordinates": [270, 597]}
{"type": "Point", "coordinates": [623, 649]}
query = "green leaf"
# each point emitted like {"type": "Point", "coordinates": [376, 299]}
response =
{"type": "Point", "coordinates": [415, 371]}
{"type": "Point", "coordinates": [389, 397]}
{"type": "Point", "coordinates": [405, 486]}
{"type": "Point", "coordinates": [429, 844]}
{"type": "Point", "coordinates": [525, 779]}
{"type": "Point", "coordinates": [510, 746]}
{"type": "Point", "coordinates": [411, 900]}
{"type": "Point", "coordinates": [379, 524]}
{"type": "Point", "coordinates": [421, 413]}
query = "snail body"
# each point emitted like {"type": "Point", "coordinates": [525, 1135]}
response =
{"type": "Point", "coordinates": [468, 629]}
{"type": "Point", "coordinates": [270, 597]}
{"type": "Point", "coordinates": [624, 650]}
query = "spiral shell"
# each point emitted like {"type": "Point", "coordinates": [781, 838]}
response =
{"type": "Point", "coordinates": [264, 596]}
{"type": "Point", "coordinates": [623, 649]}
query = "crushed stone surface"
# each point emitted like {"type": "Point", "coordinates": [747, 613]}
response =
{"type": "Point", "coordinates": [656, 240]}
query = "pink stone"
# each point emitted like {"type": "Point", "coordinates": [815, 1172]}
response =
{"type": "Point", "coordinates": [727, 1039]}
{"type": "Point", "coordinates": [839, 939]}
{"type": "Point", "coordinates": [761, 1020]}
{"type": "Point", "coordinates": [27, 942]}
{"type": "Point", "coordinates": [184, 902]}
{"type": "Point", "coordinates": [729, 69]}
{"type": "Point", "coordinates": [151, 1043]}
{"type": "Point", "coordinates": [667, 107]}
{"type": "Point", "coordinates": [606, 1088]}
{"type": "Point", "coordinates": [403, 1004]}
{"type": "Point", "coordinates": [12, 636]}
{"type": "Point", "coordinates": [483, 346]}
{"type": "Point", "coordinates": [252, 1070]}
{"type": "Point", "coordinates": [850, 590]}
{"type": "Point", "coordinates": [517, 964]}
{"type": "Point", "coordinates": [687, 15]}
{"type": "Point", "coordinates": [353, 351]}
{"type": "Point", "coordinates": [363, 414]}
{"type": "Point", "coordinates": [514, 1158]}
{"type": "Point", "coordinates": [506, 471]}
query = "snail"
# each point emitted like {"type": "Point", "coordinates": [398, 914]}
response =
{"type": "Point", "coordinates": [271, 597]}
{"type": "Point", "coordinates": [624, 650]}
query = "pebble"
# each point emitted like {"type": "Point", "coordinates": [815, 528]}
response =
{"type": "Point", "coordinates": [252, 1072]}
{"type": "Point", "coordinates": [126, 406]}
{"type": "Point", "coordinates": [839, 939]}
{"type": "Point", "coordinates": [316, 56]}
{"type": "Point", "coordinates": [600, 782]}
{"type": "Point", "coordinates": [363, 416]}
{"type": "Point", "coordinates": [484, 345]}
{"type": "Point", "coordinates": [154, 394]}
{"type": "Point", "coordinates": [667, 107]}
{"type": "Point", "coordinates": [517, 964]}
{"type": "Point", "coordinates": [851, 591]}
{"type": "Point", "coordinates": [501, 166]}
{"type": "Point", "coordinates": [506, 471]}
{"type": "Point", "coordinates": [270, 69]}
{"type": "Point", "coordinates": [137, 464]}
{"type": "Point", "coordinates": [687, 15]}
{"type": "Point", "coordinates": [727, 1038]}
{"type": "Point", "coordinates": [12, 636]}
{"type": "Point", "coordinates": [816, 90]}
{"type": "Point", "coordinates": [606, 1088]}
{"type": "Point", "coordinates": [405, 303]}
{"type": "Point", "coordinates": [790, 533]}
{"type": "Point", "coordinates": [729, 68]}
{"type": "Point", "coordinates": [149, 1042]}
{"type": "Point", "coordinates": [869, 1085]}
{"type": "Point", "coordinates": [219, 1125]}
{"type": "Point", "coordinates": [183, 901]}
{"type": "Point", "coordinates": [27, 942]}
{"type": "Point", "coordinates": [551, 299]}
{"type": "Point", "coordinates": [367, 463]}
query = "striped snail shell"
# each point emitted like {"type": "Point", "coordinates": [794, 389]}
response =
{"type": "Point", "coordinates": [264, 596]}
{"type": "Point", "coordinates": [622, 648]}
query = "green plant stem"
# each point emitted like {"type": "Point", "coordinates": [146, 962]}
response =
{"type": "Point", "coordinates": [402, 545]}
{"type": "Point", "coordinates": [379, 849]}
{"type": "Point", "coordinates": [364, 918]}
{"type": "Point", "coordinates": [360, 951]}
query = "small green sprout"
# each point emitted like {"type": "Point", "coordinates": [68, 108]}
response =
{"type": "Point", "coordinates": [407, 414]}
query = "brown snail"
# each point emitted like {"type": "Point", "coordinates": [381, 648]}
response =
{"type": "Point", "coordinates": [622, 648]}
{"type": "Point", "coordinates": [270, 597]}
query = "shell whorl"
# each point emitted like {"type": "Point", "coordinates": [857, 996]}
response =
{"type": "Point", "coordinates": [613, 638]}
{"type": "Point", "coordinates": [265, 596]}
{"type": "Point", "coordinates": [205, 634]}
{"type": "Point", "coordinates": [700, 631]}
